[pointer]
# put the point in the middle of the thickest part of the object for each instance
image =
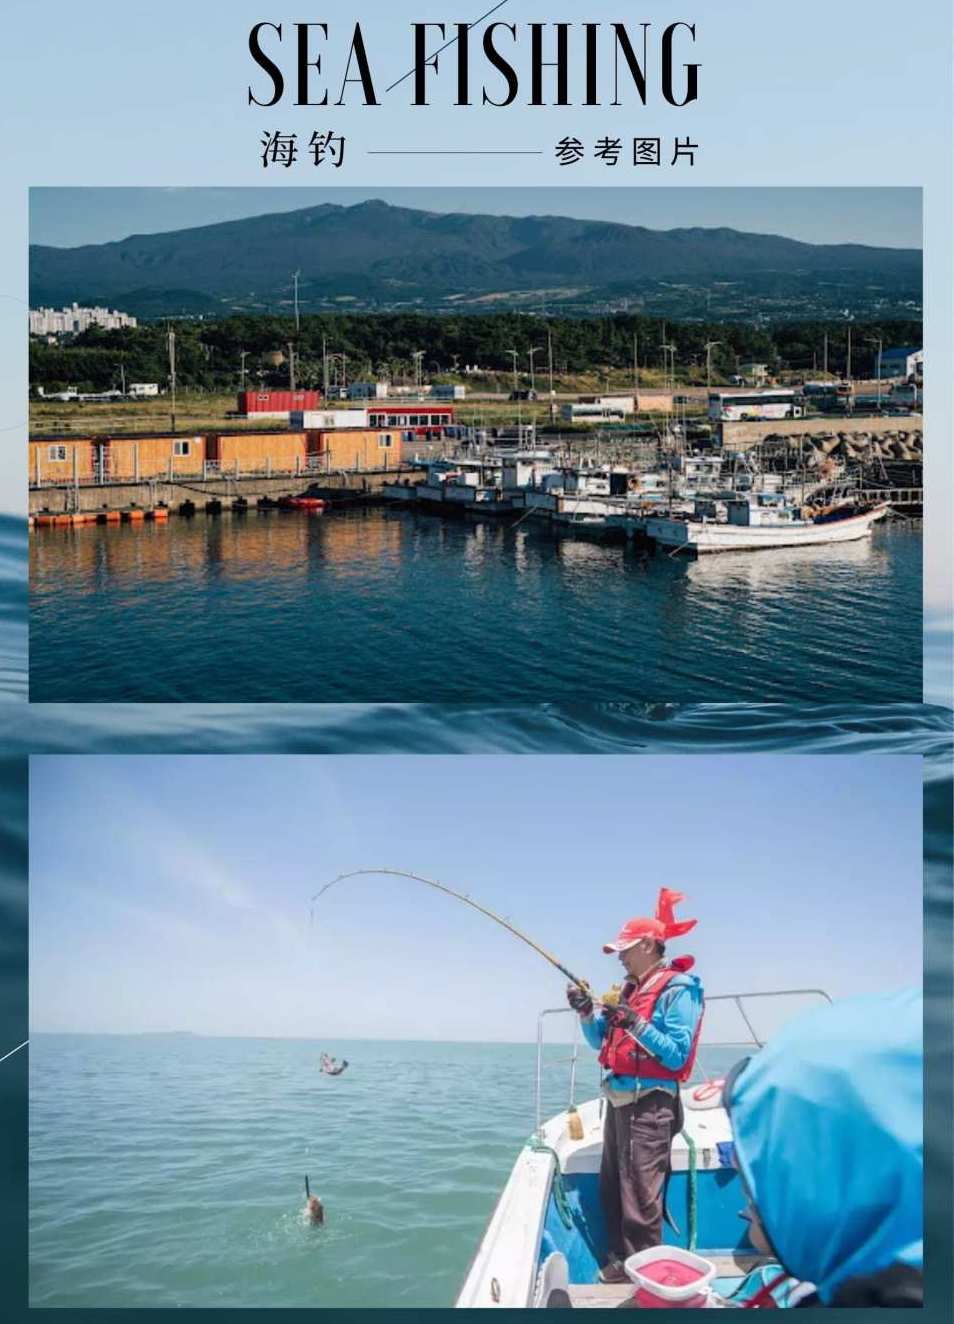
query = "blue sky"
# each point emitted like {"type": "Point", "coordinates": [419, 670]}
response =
{"type": "Point", "coordinates": [173, 893]}
{"type": "Point", "coordinates": [880, 216]}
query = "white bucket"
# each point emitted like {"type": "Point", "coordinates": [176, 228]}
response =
{"type": "Point", "coordinates": [670, 1276]}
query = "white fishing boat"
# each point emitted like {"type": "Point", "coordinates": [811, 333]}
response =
{"type": "Point", "coordinates": [546, 1239]}
{"type": "Point", "coordinates": [763, 522]}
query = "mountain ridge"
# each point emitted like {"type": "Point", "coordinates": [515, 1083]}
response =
{"type": "Point", "coordinates": [394, 255]}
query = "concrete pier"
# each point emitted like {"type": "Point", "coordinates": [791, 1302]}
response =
{"type": "Point", "coordinates": [95, 497]}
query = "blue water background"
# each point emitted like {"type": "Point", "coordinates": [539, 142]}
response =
{"type": "Point", "coordinates": [379, 605]}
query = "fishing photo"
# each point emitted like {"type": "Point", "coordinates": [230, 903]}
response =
{"type": "Point", "coordinates": [497, 1032]}
{"type": "Point", "coordinates": [410, 433]}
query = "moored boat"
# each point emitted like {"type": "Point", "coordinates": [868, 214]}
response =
{"type": "Point", "coordinates": [764, 523]}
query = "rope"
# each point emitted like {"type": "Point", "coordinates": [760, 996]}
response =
{"type": "Point", "coordinates": [693, 1189]}
{"type": "Point", "coordinates": [560, 1197]}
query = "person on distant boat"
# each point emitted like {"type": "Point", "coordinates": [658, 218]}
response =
{"type": "Point", "coordinates": [827, 1122]}
{"type": "Point", "coordinates": [647, 1045]}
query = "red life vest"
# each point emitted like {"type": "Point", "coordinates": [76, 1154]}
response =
{"type": "Point", "coordinates": [620, 1052]}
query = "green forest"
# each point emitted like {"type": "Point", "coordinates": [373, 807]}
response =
{"type": "Point", "coordinates": [210, 354]}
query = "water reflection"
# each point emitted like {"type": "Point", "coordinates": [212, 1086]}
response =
{"type": "Point", "coordinates": [385, 605]}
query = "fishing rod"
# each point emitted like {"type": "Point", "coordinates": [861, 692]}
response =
{"type": "Point", "coordinates": [468, 901]}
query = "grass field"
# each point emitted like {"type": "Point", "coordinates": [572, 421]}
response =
{"type": "Point", "coordinates": [197, 412]}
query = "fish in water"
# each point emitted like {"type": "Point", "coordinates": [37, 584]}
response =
{"type": "Point", "coordinates": [314, 1211]}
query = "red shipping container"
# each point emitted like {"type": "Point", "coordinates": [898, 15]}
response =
{"type": "Point", "coordinates": [270, 402]}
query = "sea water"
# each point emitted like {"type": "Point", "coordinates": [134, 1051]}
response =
{"type": "Point", "coordinates": [380, 605]}
{"type": "Point", "coordinates": [169, 1170]}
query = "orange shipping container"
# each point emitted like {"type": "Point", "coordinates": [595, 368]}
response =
{"type": "Point", "coordinates": [257, 452]}
{"type": "Point", "coordinates": [129, 459]}
{"type": "Point", "coordinates": [64, 460]}
{"type": "Point", "coordinates": [354, 448]}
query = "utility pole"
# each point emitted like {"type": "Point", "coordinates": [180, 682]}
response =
{"type": "Point", "coordinates": [324, 367]}
{"type": "Point", "coordinates": [516, 393]}
{"type": "Point", "coordinates": [550, 369]}
{"type": "Point", "coordinates": [710, 346]}
{"type": "Point", "coordinates": [291, 365]}
{"type": "Point", "coordinates": [297, 323]}
{"type": "Point", "coordinates": [635, 370]}
{"type": "Point", "coordinates": [535, 349]}
{"type": "Point", "coordinates": [122, 374]}
{"type": "Point", "coordinates": [172, 374]}
{"type": "Point", "coordinates": [243, 355]}
{"type": "Point", "coordinates": [418, 357]}
{"type": "Point", "coordinates": [848, 361]}
{"type": "Point", "coordinates": [876, 340]}
{"type": "Point", "coordinates": [825, 355]}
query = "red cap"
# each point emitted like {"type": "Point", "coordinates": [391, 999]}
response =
{"type": "Point", "coordinates": [661, 928]}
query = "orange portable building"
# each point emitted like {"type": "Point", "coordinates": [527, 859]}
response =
{"type": "Point", "coordinates": [257, 452]}
{"type": "Point", "coordinates": [133, 458]}
{"type": "Point", "coordinates": [354, 448]}
{"type": "Point", "coordinates": [62, 460]}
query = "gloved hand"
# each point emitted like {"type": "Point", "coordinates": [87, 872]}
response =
{"type": "Point", "coordinates": [579, 1000]}
{"type": "Point", "coordinates": [624, 1018]}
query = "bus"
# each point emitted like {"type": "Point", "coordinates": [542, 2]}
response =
{"type": "Point", "coordinates": [740, 406]}
{"type": "Point", "coordinates": [414, 420]}
{"type": "Point", "coordinates": [826, 396]}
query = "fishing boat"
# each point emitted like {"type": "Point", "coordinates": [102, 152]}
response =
{"type": "Point", "coordinates": [546, 1239]}
{"type": "Point", "coordinates": [766, 521]}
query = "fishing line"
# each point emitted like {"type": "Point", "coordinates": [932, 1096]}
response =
{"type": "Point", "coordinates": [467, 901]}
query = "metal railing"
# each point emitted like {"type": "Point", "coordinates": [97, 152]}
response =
{"type": "Point", "coordinates": [753, 1040]}
{"type": "Point", "coordinates": [572, 1059]}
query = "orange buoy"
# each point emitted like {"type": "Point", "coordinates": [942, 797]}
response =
{"type": "Point", "coordinates": [44, 521]}
{"type": "Point", "coordinates": [160, 513]}
{"type": "Point", "coordinates": [62, 519]}
{"type": "Point", "coordinates": [108, 517]}
{"type": "Point", "coordinates": [133, 516]}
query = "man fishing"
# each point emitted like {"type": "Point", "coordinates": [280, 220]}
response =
{"type": "Point", "coordinates": [647, 1046]}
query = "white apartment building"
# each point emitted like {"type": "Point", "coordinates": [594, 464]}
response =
{"type": "Point", "coordinates": [71, 320]}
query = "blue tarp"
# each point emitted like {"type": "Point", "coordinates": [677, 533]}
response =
{"type": "Point", "coordinates": [827, 1120]}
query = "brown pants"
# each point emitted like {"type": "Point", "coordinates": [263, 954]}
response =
{"type": "Point", "coordinates": [637, 1139]}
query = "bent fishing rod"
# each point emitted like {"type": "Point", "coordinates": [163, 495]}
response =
{"type": "Point", "coordinates": [468, 901]}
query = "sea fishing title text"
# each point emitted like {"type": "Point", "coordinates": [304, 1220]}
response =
{"type": "Point", "coordinates": [500, 64]}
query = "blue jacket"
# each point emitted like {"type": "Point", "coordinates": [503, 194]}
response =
{"type": "Point", "coordinates": [668, 1036]}
{"type": "Point", "coordinates": [827, 1121]}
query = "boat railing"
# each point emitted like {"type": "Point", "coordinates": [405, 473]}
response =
{"type": "Point", "coordinates": [570, 1061]}
{"type": "Point", "coordinates": [752, 1037]}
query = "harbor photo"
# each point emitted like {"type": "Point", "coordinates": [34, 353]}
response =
{"type": "Point", "coordinates": [493, 1033]}
{"type": "Point", "coordinates": [443, 446]}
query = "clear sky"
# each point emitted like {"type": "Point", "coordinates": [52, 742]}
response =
{"type": "Point", "coordinates": [173, 893]}
{"type": "Point", "coordinates": [879, 216]}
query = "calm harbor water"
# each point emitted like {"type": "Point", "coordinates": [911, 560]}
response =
{"type": "Point", "coordinates": [380, 606]}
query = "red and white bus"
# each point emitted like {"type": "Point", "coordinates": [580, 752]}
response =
{"type": "Point", "coordinates": [413, 420]}
{"type": "Point", "coordinates": [738, 406]}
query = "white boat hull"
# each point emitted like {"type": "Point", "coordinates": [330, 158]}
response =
{"type": "Point", "coordinates": [503, 1273]}
{"type": "Point", "coordinates": [705, 536]}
